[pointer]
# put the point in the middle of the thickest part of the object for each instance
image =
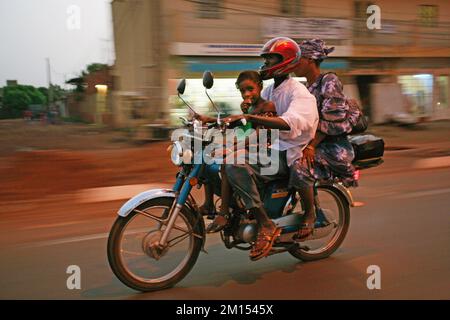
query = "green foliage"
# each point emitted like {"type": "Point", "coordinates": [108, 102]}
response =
{"type": "Point", "coordinates": [93, 67]}
{"type": "Point", "coordinates": [57, 92]}
{"type": "Point", "coordinates": [79, 81]}
{"type": "Point", "coordinates": [16, 99]}
{"type": "Point", "coordinates": [44, 91]}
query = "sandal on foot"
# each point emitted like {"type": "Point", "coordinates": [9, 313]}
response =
{"type": "Point", "coordinates": [264, 243]}
{"type": "Point", "coordinates": [306, 230]}
{"type": "Point", "coordinates": [217, 225]}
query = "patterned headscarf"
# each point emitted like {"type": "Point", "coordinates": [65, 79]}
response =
{"type": "Point", "coordinates": [315, 49]}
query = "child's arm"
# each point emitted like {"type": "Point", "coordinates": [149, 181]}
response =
{"type": "Point", "coordinates": [267, 108]}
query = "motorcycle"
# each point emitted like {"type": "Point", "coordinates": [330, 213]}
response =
{"type": "Point", "coordinates": [158, 234]}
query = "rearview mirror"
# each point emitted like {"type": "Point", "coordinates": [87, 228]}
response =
{"type": "Point", "coordinates": [208, 79]}
{"type": "Point", "coordinates": [181, 86]}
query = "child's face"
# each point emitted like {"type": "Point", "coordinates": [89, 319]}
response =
{"type": "Point", "coordinates": [250, 91]}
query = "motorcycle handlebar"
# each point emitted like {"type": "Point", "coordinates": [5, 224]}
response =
{"type": "Point", "coordinates": [235, 123]}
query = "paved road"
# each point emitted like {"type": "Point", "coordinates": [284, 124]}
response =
{"type": "Point", "coordinates": [403, 227]}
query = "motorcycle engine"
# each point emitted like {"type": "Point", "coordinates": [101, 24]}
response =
{"type": "Point", "coordinates": [247, 231]}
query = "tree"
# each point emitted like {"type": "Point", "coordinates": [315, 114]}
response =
{"type": "Point", "coordinates": [16, 99]}
{"type": "Point", "coordinates": [36, 96]}
{"type": "Point", "coordinates": [93, 67]}
{"type": "Point", "coordinates": [57, 92]}
{"type": "Point", "coordinates": [78, 82]}
{"type": "Point", "coordinates": [44, 91]}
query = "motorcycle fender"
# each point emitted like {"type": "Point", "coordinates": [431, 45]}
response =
{"type": "Point", "coordinates": [345, 192]}
{"type": "Point", "coordinates": [342, 190]}
{"type": "Point", "coordinates": [142, 197]}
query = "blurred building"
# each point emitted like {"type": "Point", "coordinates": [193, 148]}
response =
{"type": "Point", "coordinates": [401, 67]}
{"type": "Point", "coordinates": [92, 101]}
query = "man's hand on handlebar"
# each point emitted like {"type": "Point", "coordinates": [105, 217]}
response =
{"type": "Point", "coordinates": [203, 118]}
{"type": "Point", "coordinates": [236, 120]}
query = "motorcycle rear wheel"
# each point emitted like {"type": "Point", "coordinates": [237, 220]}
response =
{"type": "Point", "coordinates": [338, 237]}
{"type": "Point", "coordinates": [149, 278]}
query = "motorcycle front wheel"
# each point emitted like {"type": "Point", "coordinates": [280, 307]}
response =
{"type": "Point", "coordinates": [134, 253]}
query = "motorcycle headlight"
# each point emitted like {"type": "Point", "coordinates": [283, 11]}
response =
{"type": "Point", "coordinates": [176, 153]}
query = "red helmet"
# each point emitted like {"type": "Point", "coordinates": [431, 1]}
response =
{"type": "Point", "coordinates": [287, 49]}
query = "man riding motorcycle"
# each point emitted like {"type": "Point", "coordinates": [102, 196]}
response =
{"type": "Point", "coordinates": [297, 120]}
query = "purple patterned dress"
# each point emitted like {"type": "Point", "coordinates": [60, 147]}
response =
{"type": "Point", "coordinates": [334, 155]}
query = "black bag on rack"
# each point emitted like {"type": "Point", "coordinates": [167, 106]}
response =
{"type": "Point", "coordinates": [369, 150]}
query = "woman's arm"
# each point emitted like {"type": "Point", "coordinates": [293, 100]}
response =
{"type": "Point", "coordinates": [310, 149]}
{"type": "Point", "coordinates": [317, 139]}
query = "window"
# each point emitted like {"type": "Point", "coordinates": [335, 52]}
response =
{"type": "Point", "coordinates": [418, 91]}
{"type": "Point", "coordinates": [210, 9]}
{"type": "Point", "coordinates": [442, 82]}
{"type": "Point", "coordinates": [428, 15]}
{"type": "Point", "coordinates": [291, 7]}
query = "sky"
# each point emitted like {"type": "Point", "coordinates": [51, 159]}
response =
{"type": "Point", "coordinates": [71, 33]}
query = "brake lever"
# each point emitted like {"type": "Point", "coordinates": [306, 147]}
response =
{"type": "Point", "coordinates": [185, 121]}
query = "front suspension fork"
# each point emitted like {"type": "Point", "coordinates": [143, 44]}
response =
{"type": "Point", "coordinates": [179, 201]}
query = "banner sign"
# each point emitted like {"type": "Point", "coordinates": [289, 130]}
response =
{"type": "Point", "coordinates": [307, 28]}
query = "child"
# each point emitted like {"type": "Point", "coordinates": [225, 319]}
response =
{"type": "Point", "coordinates": [250, 84]}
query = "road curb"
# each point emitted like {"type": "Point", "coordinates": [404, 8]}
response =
{"type": "Point", "coordinates": [113, 193]}
{"type": "Point", "coordinates": [432, 163]}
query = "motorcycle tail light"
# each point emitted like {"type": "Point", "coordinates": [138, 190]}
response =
{"type": "Point", "coordinates": [356, 175]}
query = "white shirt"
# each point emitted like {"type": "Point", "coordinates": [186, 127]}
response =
{"type": "Point", "coordinates": [297, 106]}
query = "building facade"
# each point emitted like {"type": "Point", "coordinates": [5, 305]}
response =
{"type": "Point", "coordinates": [403, 66]}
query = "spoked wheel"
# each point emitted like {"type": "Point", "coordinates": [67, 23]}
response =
{"type": "Point", "coordinates": [134, 252]}
{"type": "Point", "coordinates": [329, 236]}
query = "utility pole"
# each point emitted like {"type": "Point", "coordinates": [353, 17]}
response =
{"type": "Point", "coordinates": [49, 79]}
